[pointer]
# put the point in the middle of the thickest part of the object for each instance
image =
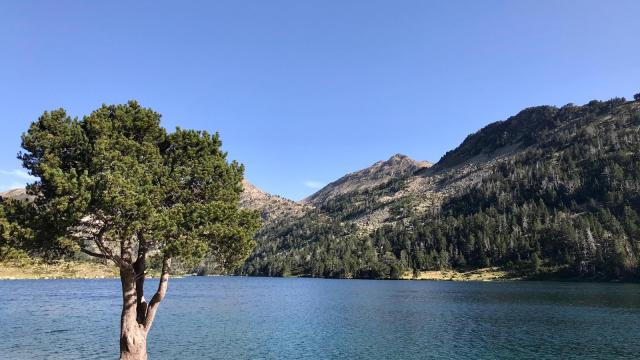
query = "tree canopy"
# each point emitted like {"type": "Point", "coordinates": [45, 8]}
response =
{"type": "Point", "coordinates": [116, 178]}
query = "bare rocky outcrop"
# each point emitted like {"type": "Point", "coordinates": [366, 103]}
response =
{"type": "Point", "coordinates": [16, 194]}
{"type": "Point", "coordinates": [269, 206]}
{"type": "Point", "coordinates": [397, 167]}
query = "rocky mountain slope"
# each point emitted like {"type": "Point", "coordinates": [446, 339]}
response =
{"type": "Point", "coordinates": [270, 206]}
{"type": "Point", "coordinates": [397, 167]}
{"type": "Point", "coordinates": [17, 194]}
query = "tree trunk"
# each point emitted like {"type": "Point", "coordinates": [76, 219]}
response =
{"type": "Point", "coordinates": [137, 317]}
{"type": "Point", "coordinates": [133, 335]}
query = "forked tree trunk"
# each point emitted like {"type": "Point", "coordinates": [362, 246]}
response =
{"type": "Point", "coordinates": [137, 317]}
{"type": "Point", "coordinates": [133, 335]}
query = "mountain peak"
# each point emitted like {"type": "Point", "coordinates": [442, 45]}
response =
{"type": "Point", "coordinates": [395, 158]}
{"type": "Point", "coordinates": [398, 156]}
{"type": "Point", "coordinates": [396, 167]}
{"type": "Point", "coordinates": [15, 194]}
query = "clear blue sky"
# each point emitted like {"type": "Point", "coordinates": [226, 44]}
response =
{"type": "Point", "coordinates": [303, 92]}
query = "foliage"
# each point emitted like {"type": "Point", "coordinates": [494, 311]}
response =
{"type": "Point", "coordinates": [116, 180]}
{"type": "Point", "coordinates": [8, 250]}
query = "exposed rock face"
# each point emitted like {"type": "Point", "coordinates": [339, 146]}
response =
{"type": "Point", "coordinates": [16, 194]}
{"type": "Point", "coordinates": [397, 167]}
{"type": "Point", "coordinates": [269, 206]}
{"type": "Point", "coordinates": [374, 189]}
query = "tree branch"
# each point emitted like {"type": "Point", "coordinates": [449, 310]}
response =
{"type": "Point", "coordinates": [159, 295]}
{"type": "Point", "coordinates": [108, 253]}
{"type": "Point", "coordinates": [92, 229]}
{"type": "Point", "coordinates": [94, 254]}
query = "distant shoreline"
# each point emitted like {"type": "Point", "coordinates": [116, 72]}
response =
{"type": "Point", "coordinates": [60, 270]}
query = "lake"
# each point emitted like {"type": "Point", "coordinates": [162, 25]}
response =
{"type": "Point", "coordinates": [273, 318]}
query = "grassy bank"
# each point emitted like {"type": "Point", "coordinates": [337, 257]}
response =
{"type": "Point", "coordinates": [483, 274]}
{"type": "Point", "coordinates": [37, 269]}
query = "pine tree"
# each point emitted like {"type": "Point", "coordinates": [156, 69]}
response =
{"type": "Point", "coordinates": [115, 185]}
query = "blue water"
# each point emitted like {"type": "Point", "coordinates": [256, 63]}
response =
{"type": "Point", "coordinates": [269, 318]}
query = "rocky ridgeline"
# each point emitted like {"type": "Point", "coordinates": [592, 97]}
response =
{"type": "Point", "coordinates": [397, 167]}
{"type": "Point", "coordinates": [270, 206]}
{"type": "Point", "coordinates": [17, 194]}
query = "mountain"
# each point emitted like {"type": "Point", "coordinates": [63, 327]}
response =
{"type": "Point", "coordinates": [16, 194]}
{"type": "Point", "coordinates": [269, 206]}
{"type": "Point", "coordinates": [549, 190]}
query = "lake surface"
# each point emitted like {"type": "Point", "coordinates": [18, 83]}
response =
{"type": "Point", "coordinates": [271, 318]}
